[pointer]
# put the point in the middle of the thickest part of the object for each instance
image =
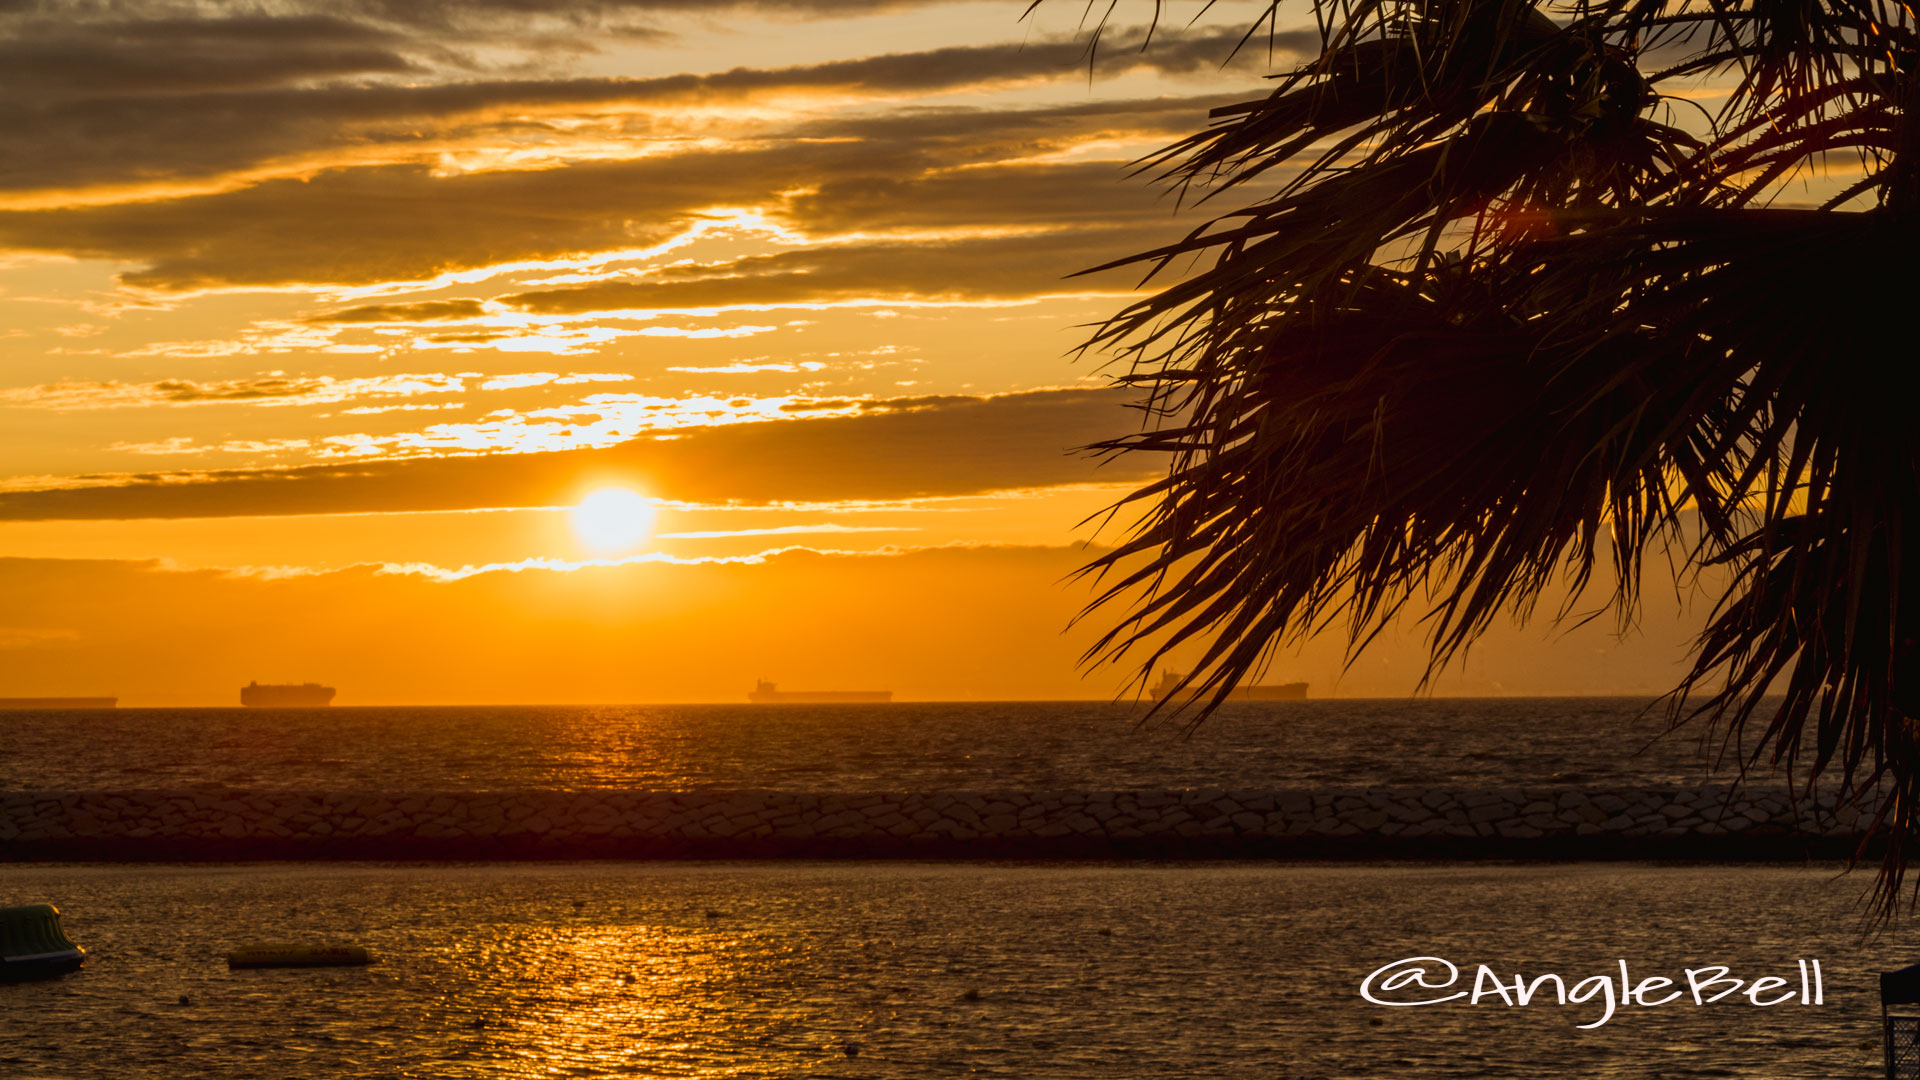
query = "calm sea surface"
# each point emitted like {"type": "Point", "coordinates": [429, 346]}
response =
{"type": "Point", "coordinates": [1021, 746]}
{"type": "Point", "coordinates": [734, 970]}
{"type": "Point", "coordinates": [999, 970]}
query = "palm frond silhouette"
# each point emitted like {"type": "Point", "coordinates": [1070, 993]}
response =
{"type": "Point", "coordinates": [1509, 289]}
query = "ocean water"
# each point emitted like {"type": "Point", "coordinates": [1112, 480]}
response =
{"type": "Point", "coordinates": [925, 970]}
{"type": "Point", "coordinates": [996, 970]}
{"type": "Point", "coordinates": [978, 746]}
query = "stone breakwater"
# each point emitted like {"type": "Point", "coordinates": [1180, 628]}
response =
{"type": "Point", "coordinates": [1713, 822]}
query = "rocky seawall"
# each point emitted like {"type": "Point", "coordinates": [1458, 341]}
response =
{"type": "Point", "coordinates": [1667, 823]}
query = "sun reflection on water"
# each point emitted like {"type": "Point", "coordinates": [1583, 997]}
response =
{"type": "Point", "coordinates": [600, 999]}
{"type": "Point", "coordinates": [621, 970]}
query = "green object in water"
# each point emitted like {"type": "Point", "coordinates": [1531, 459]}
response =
{"type": "Point", "coordinates": [34, 946]}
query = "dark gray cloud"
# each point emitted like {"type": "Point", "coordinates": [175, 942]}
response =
{"type": "Point", "coordinates": [500, 15]}
{"type": "Point", "coordinates": [425, 311]}
{"type": "Point", "coordinates": [987, 268]}
{"type": "Point", "coordinates": [1092, 194]}
{"type": "Point", "coordinates": [175, 56]}
{"type": "Point", "coordinates": [927, 447]}
{"type": "Point", "coordinates": [364, 225]}
{"type": "Point", "coordinates": [974, 126]}
{"type": "Point", "coordinates": [109, 103]}
{"type": "Point", "coordinates": [356, 226]}
{"type": "Point", "coordinates": [450, 13]}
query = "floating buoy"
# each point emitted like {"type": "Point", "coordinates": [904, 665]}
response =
{"type": "Point", "coordinates": [34, 946]}
{"type": "Point", "coordinates": [267, 956]}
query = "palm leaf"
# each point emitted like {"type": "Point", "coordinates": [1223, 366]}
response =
{"type": "Point", "coordinates": [1497, 304]}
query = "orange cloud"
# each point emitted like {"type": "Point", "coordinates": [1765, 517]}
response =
{"type": "Point", "coordinates": [886, 450]}
{"type": "Point", "coordinates": [273, 388]}
{"type": "Point", "coordinates": [653, 630]}
{"type": "Point", "coordinates": [367, 226]}
{"type": "Point", "coordinates": [964, 622]}
{"type": "Point", "coordinates": [133, 107]}
{"type": "Point", "coordinates": [276, 389]}
{"type": "Point", "coordinates": [1005, 267]}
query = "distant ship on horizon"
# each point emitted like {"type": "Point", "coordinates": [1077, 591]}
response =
{"type": "Point", "coordinates": [1293, 691]}
{"type": "Point", "coordinates": [285, 696]}
{"type": "Point", "coordinates": [766, 693]}
{"type": "Point", "coordinates": [58, 702]}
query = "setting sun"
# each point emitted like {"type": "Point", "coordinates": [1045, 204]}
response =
{"type": "Point", "coordinates": [613, 519]}
{"type": "Point", "coordinates": [1100, 541]}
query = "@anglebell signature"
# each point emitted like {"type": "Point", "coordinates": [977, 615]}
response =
{"type": "Point", "coordinates": [1413, 981]}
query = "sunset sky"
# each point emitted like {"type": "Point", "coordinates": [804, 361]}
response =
{"type": "Point", "coordinates": [318, 320]}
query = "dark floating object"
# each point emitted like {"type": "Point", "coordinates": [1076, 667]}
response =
{"type": "Point", "coordinates": [766, 693]}
{"type": "Point", "coordinates": [33, 945]}
{"type": "Point", "coordinates": [970, 995]}
{"type": "Point", "coordinates": [1899, 1031]}
{"type": "Point", "coordinates": [712, 914]}
{"type": "Point", "coordinates": [286, 696]}
{"type": "Point", "coordinates": [1105, 931]}
{"type": "Point", "coordinates": [278, 956]}
{"type": "Point", "coordinates": [186, 999]}
{"type": "Point", "coordinates": [852, 1049]}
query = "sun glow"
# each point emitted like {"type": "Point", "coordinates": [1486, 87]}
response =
{"type": "Point", "coordinates": [613, 519]}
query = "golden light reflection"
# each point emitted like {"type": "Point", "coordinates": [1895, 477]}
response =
{"type": "Point", "coordinates": [600, 998]}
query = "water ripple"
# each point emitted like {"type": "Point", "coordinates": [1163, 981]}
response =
{"type": "Point", "coordinates": [736, 970]}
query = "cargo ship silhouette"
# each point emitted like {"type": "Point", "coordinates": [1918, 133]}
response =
{"type": "Point", "coordinates": [58, 702]}
{"type": "Point", "coordinates": [269, 695]}
{"type": "Point", "coordinates": [766, 693]}
{"type": "Point", "coordinates": [1292, 691]}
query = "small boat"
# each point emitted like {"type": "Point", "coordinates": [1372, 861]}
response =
{"type": "Point", "coordinates": [33, 945]}
{"type": "Point", "coordinates": [273, 956]}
